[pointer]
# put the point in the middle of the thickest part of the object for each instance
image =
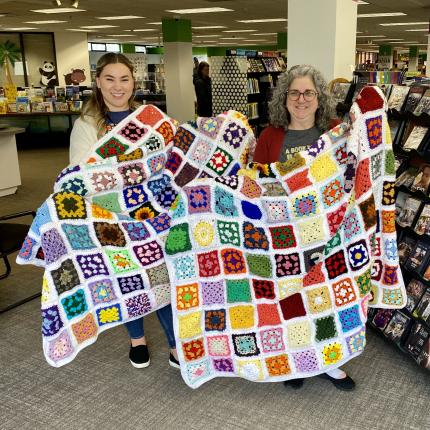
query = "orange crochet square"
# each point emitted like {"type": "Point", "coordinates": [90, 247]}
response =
{"type": "Point", "coordinates": [298, 181]}
{"type": "Point", "coordinates": [85, 329]}
{"type": "Point", "coordinates": [193, 350]}
{"type": "Point", "coordinates": [344, 292]}
{"type": "Point", "coordinates": [278, 365]}
{"type": "Point", "coordinates": [187, 296]}
{"type": "Point", "coordinates": [388, 222]}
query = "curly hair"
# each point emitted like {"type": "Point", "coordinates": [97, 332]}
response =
{"type": "Point", "coordinates": [278, 113]}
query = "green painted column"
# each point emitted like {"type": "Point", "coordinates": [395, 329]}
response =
{"type": "Point", "coordinates": [413, 59]}
{"type": "Point", "coordinates": [282, 41]}
{"type": "Point", "coordinates": [178, 67]}
{"type": "Point", "coordinates": [385, 57]}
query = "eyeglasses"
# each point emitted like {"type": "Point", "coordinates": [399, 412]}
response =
{"type": "Point", "coordinates": [308, 95]}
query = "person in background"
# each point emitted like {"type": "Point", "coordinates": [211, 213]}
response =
{"type": "Point", "coordinates": [300, 111]}
{"type": "Point", "coordinates": [195, 69]}
{"type": "Point", "coordinates": [111, 102]}
{"type": "Point", "coordinates": [203, 87]}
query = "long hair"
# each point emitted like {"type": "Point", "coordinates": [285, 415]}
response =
{"type": "Point", "coordinates": [96, 107]}
{"type": "Point", "coordinates": [278, 113]}
{"type": "Point", "coordinates": [202, 65]}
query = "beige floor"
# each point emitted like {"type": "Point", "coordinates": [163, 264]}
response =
{"type": "Point", "coordinates": [100, 390]}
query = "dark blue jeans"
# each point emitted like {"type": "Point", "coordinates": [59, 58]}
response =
{"type": "Point", "coordinates": [135, 328]}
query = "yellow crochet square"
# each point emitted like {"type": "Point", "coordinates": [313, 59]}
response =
{"type": "Point", "coordinates": [318, 299]}
{"type": "Point", "coordinates": [323, 167]}
{"type": "Point", "coordinates": [311, 231]}
{"type": "Point", "coordinates": [99, 212]}
{"type": "Point", "coordinates": [204, 233]}
{"type": "Point", "coordinates": [241, 317]}
{"type": "Point", "coordinates": [288, 287]}
{"type": "Point", "coordinates": [332, 353]}
{"type": "Point", "coordinates": [299, 334]}
{"type": "Point", "coordinates": [249, 369]}
{"type": "Point", "coordinates": [45, 290]}
{"type": "Point", "coordinates": [190, 325]}
{"type": "Point", "coordinates": [388, 137]}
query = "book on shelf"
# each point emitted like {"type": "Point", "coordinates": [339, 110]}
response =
{"type": "Point", "coordinates": [11, 107]}
{"type": "Point", "coordinates": [397, 326]}
{"type": "Point", "coordinates": [422, 225]}
{"type": "Point", "coordinates": [75, 105]}
{"type": "Point", "coordinates": [382, 317]}
{"type": "Point", "coordinates": [23, 104]}
{"type": "Point", "coordinates": [422, 180]}
{"type": "Point", "coordinates": [405, 247]}
{"type": "Point", "coordinates": [3, 105]}
{"type": "Point", "coordinates": [60, 94]}
{"type": "Point", "coordinates": [255, 65]}
{"type": "Point", "coordinates": [415, 138]}
{"type": "Point", "coordinates": [340, 91]}
{"type": "Point", "coordinates": [61, 107]}
{"type": "Point", "coordinates": [253, 86]}
{"type": "Point", "coordinates": [418, 257]}
{"type": "Point", "coordinates": [407, 178]}
{"type": "Point", "coordinates": [37, 107]}
{"type": "Point", "coordinates": [386, 89]}
{"type": "Point", "coordinates": [422, 309]}
{"type": "Point", "coordinates": [415, 94]}
{"type": "Point", "coordinates": [252, 110]}
{"type": "Point", "coordinates": [271, 64]}
{"type": "Point", "coordinates": [424, 104]}
{"type": "Point", "coordinates": [417, 339]}
{"type": "Point", "coordinates": [48, 106]}
{"type": "Point", "coordinates": [414, 290]}
{"type": "Point", "coordinates": [400, 202]}
{"type": "Point", "coordinates": [397, 97]}
{"type": "Point", "coordinates": [423, 358]}
{"type": "Point", "coordinates": [281, 63]}
{"type": "Point", "coordinates": [409, 211]}
{"type": "Point", "coordinates": [394, 125]}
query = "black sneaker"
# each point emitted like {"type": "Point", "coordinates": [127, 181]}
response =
{"type": "Point", "coordinates": [344, 384]}
{"type": "Point", "coordinates": [139, 356]}
{"type": "Point", "coordinates": [173, 362]}
{"type": "Point", "coordinates": [295, 383]}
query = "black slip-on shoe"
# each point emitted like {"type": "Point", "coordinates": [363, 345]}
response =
{"type": "Point", "coordinates": [295, 383]}
{"type": "Point", "coordinates": [173, 362]}
{"type": "Point", "coordinates": [344, 384]}
{"type": "Point", "coordinates": [139, 356]}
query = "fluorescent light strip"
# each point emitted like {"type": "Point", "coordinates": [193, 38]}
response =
{"type": "Point", "coordinates": [145, 29]}
{"type": "Point", "coordinates": [238, 31]}
{"type": "Point", "coordinates": [365, 36]}
{"type": "Point", "coordinates": [362, 2]}
{"type": "Point", "coordinates": [58, 10]}
{"type": "Point", "coordinates": [49, 21]}
{"type": "Point", "coordinates": [208, 35]}
{"type": "Point", "coordinates": [208, 26]}
{"type": "Point", "coordinates": [250, 21]}
{"type": "Point", "coordinates": [232, 38]}
{"type": "Point", "coordinates": [405, 43]}
{"type": "Point", "coordinates": [99, 26]}
{"type": "Point", "coordinates": [255, 40]}
{"type": "Point", "coordinates": [120, 35]}
{"type": "Point", "coordinates": [376, 15]}
{"type": "Point", "coordinates": [79, 29]}
{"type": "Point", "coordinates": [155, 23]}
{"type": "Point", "coordinates": [263, 34]}
{"type": "Point", "coordinates": [112, 18]}
{"type": "Point", "coordinates": [419, 29]}
{"type": "Point", "coordinates": [200, 10]}
{"type": "Point", "coordinates": [20, 28]}
{"type": "Point", "coordinates": [386, 40]}
{"type": "Point", "coordinates": [392, 24]}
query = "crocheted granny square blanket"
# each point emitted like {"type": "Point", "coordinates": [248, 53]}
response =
{"type": "Point", "coordinates": [100, 236]}
{"type": "Point", "coordinates": [272, 270]}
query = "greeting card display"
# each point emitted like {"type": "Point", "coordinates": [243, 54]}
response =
{"type": "Point", "coordinates": [422, 225]}
{"type": "Point", "coordinates": [415, 289]}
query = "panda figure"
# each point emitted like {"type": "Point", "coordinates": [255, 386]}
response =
{"type": "Point", "coordinates": [48, 76]}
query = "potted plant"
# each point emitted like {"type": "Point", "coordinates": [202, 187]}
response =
{"type": "Point", "coordinates": [9, 54]}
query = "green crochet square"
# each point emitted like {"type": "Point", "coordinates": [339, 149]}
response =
{"type": "Point", "coordinates": [178, 239]}
{"type": "Point", "coordinates": [334, 242]}
{"type": "Point", "coordinates": [229, 233]}
{"type": "Point", "coordinates": [259, 265]}
{"type": "Point", "coordinates": [108, 201]}
{"type": "Point", "coordinates": [364, 283]}
{"type": "Point", "coordinates": [325, 328]}
{"type": "Point", "coordinates": [238, 291]}
{"type": "Point", "coordinates": [390, 167]}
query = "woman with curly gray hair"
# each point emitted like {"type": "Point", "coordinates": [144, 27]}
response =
{"type": "Point", "coordinates": [301, 110]}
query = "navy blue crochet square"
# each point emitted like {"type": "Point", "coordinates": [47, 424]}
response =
{"type": "Point", "coordinates": [160, 223]}
{"type": "Point", "coordinates": [134, 196]}
{"type": "Point", "coordinates": [173, 162]}
{"type": "Point", "coordinates": [167, 197]}
{"type": "Point", "coordinates": [157, 186]}
{"type": "Point", "coordinates": [350, 318]}
{"type": "Point", "coordinates": [51, 321]}
{"type": "Point", "coordinates": [128, 284]}
{"type": "Point", "coordinates": [250, 210]}
{"type": "Point", "coordinates": [75, 185]}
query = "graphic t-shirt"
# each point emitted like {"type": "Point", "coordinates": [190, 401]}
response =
{"type": "Point", "coordinates": [296, 141]}
{"type": "Point", "coordinates": [114, 118]}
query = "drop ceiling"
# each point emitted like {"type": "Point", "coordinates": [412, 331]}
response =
{"type": "Point", "coordinates": [18, 14]}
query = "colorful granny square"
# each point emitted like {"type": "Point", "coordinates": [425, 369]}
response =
{"type": "Point", "coordinates": [306, 361]}
{"type": "Point", "coordinates": [224, 203]}
{"type": "Point", "coordinates": [233, 135]}
{"type": "Point", "coordinates": [325, 328]}
{"type": "Point", "coordinates": [233, 261]}
{"type": "Point", "coordinates": [278, 365]}
{"type": "Point", "coordinates": [199, 199]}
{"type": "Point", "coordinates": [52, 245]}
{"type": "Point", "coordinates": [137, 154]}
{"type": "Point", "coordinates": [210, 126]}
{"type": "Point", "coordinates": [109, 234]}
{"type": "Point", "coordinates": [292, 306]}
{"type": "Point", "coordinates": [313, 256]}
{"type": "Point", "coordinates": [287, 264]}
{"type": "Point", "coordinates": [148, 253]}
{"type": "Point", "coordinates": [254, 237]}
{"type": "Point", "coordinates": [220, 161]}
{"type": "Point", "coordinates": [350, 318]}
{"type": "Point", "coordinates": [392, 296]}
{"type": "Point", "coordinates": [376, 165]}
{"type": "Point", "coordinates": [200, 150]}
{"type": "Point", "coordinates": [69, 206]}
{"type": "Point", "coordinates": [388, 196]}
{"type": "Point", "coordinates": [241, 317]}
{"type": "Point", "coordinates": [223, 364]}
{"type": "Point", "coordinates": [332, 193]}
{"type": "Point", "coordinates": [356, 342]}
{"type": "Point", "coordinates": [189, 325]}
{"type": "Point", "coordinates": [318, 299]}
{"type": "Point", "coordinates": [92, 265]}
{"type": "Point", "coordinates": [51, 321]}
{"type": "Point", "coordinates": [388, 221]}
{"type": "Point", "coordinates": [212, 292]}
{"type": "Point", "coordinates": [85, 329]}
{"type": "Point", "coordinates": [204, 233]}
{"type": "Point", "coordinates": [208, 264]}
{"type": "Point", "coordinates": [351, 225]}
{"type": "Point", "coordinates": [138, 305]}
{"type": "Point", "coordinates": [363, 183]}
{"type": "Point", "coordinates": [245, 345]}
{"type": "Point", "coordinates": [263, 289]}
{"type": "Point", "coordinates": [134, 196]}
{"type": "Point", "coordinates": [183, 139]}
{"type": "Point", "coordinates": [156, 163]}
{"type": "Point", "coordinates": [229, 233]}
{"type": "Point", "coordinates": [178, 239]}
{"type": "Point", "coordinates": [109, 315]}
{"type": "Point", "coordinates": [128, 284]}
{"type": "Point", "coordinates": [218, 346]}
{"type": "Point", "coordinates": [306, 204]}
{"type": "Point", "coordinates": [75, 185]}
{"type": "Point", "coordinates": [173, 162]}
{"type": "Point", "coordinates": [132, 174]}
{"type": "Point", "coordinates": [187, 296]}
{"type": "Point", "coordinates": [332, 353]}
{"type": "Point", "coordinates": [166, 131]}
{"type": "Point", "coordinates": [259, 265]}
{"type": "Point", "coordinates": [268, 315]}
{"type": "Point", "coordinates": [187, 174]}
{"type": "Point", "coordinates": [101, 291]}
{"type": "Point", "coordinates": [111, 148]}
{"type": "Point", "coordinates": [287, 287]}
{"type": "Point", "coordinates": [215, 319]}
{"type": "Point", "coordinates": [276, 210]}
{"type": "Point", "coordinates": [65, 277]}
{"type": "Point", "coordinates": [250, 210]}
{"type": "Point", "coordinates": [193, 350]}
{"type": "Point", "coordinates": [344, 292]}
{"type": "Point", "coordinates": [283, 237]}
{"type": "Point", "coordinates": [250, 369]}
{"type": "Point", "coordinates": [136, 230]}
{"type": "Point", "coordinates": [390, 276]}
{"type": "Point", "coordinates": [250, 188]}
{"type": "Point", "coordinates": [121, 261]}
{"type": "Point", "coordinates": [150, 115]}
{"type": "Point", "coordinates": [108, 201]}
{"type": "Point", "coordinates": [238, 290]}
{"type": "Point", "coordinates": [272, 340]}
{"type": "Point", "coordinates": [336, 265]}
{"type": "Point", "coordinates": [374, 131]}
{"type": "Point", "coordinates": [75, 304]}
{"type": "Point", "coordinates": [132, 132]}
{"type": "Point", "coordinates": [78, 236]}
{"type": "Point", "coordinates": [358, 255]}
{"type": "Point", "coordinates": [61, 347]}
{"type": "Point", "coordinates": [184, 267]}
{"type": "Point", "coordinates": [299, 334]}
{"type": "Point", "coordinates": [336, 218]}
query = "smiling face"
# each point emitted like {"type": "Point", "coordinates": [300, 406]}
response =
{"type": "Point", "coordinates": [116, 84]}
{"type": "Point", "coordinates": [302, 112]}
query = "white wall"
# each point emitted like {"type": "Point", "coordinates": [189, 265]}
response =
{"type": "Point", "coordinates": [323, 34]}
{"type": "Point", "coordinates": [72, 53]}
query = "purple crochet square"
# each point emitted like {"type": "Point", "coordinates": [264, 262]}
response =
{"type": "Point", "coordinates": [138, 305]}
{"type": "Point", "coordinates": [92, 265]}
{"type": "Point", "coordinates": [160, 223]}
{"type": "Point", "coordinates": [223, 364]}
{"type": "Point", "coordinates": [136, 230]}
{"type": "Point", "coordinates": [127, 284]}
{"type": "Point", "coordinates": [51, 321]}
{"type": "Point", "coordinates": [306, 361]}
{"type": "Point", "coordinates": [53, 246]}
{"type": "Point", "coordinates": [213, 292]}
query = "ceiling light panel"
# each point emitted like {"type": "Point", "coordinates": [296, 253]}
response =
{"type": "Point", "coordinates": [367, 37]}
{"type": "Point", "coordinates": [252, 21]}
{"type": "Point", "coordinates": [48, 21]}
{"type": "Point", "coordinates": [378, 15]}
{"type": "Point", "coordinates": [58, 10]}
{"type": "Point", "coordinates": [99, 26]}
{"type": "Point", "coordinates": [20, 28]}
{"type": "Point", "coordinates": [145, 29]}
{"type": "Point", "coordinates": [393, 24]}
{"type": "Point", "coordinates": [208, 27]}
{"type": "Point", "coordinates": [112, 18]}
{"type": "Point", "coordinates": [238, 31]}
{"type": "Point", "coordinates": [79, 29]}
{"type": "Point", "coordinates": [200, 10]}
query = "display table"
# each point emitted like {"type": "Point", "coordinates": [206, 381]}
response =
{"type": "Point", "coordinates": [10, 176]}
